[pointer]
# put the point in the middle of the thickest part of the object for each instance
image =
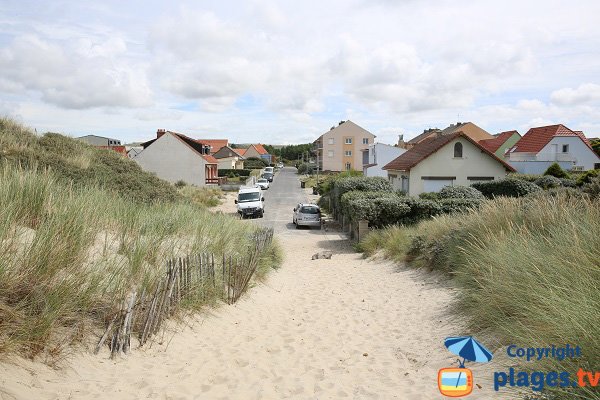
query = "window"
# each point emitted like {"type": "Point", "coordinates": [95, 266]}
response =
{"type": "Point", "coordinates": [348, 140]}
{"type": "Point", "coordinates": [331, 141]}
{"type": "Point", "coordinates": [348, 166]}
{"type": "Point", "coordinates": [391, 178]}
{"type": "Point", "coordinates": [596, 165]}
{"type": "Point", "coordinates": [365, 140]}
{"type": "Point", "coordinates": [565, 148]}
{"type": "Point", "coordinates": [348, 153]}
{"type": "Point", "coordinates": [404, 184]}
{"type": "Point", "coordinates": [458, 150]}
{"type": "Point", "coordinates": [329, 153]}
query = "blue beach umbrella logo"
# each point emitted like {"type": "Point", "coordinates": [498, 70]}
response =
{"type": "Point", "coordinates": [458, 382]}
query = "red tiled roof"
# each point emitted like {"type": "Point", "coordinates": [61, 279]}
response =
{"type": "Point", "coordinates": [240, 152]}
{"type": "Point", "coordinates": [536, 138]}
{"type": "Point", "coordinates": [495, 143]}
{"type": "Point", "coordinates": [261, 150]}
{"type": "Point", "coordinates": [215, 144]}
{"type": "Point", "coordinates": [422, 150]}
{"type": "Point", "coordinates": [209, 159]}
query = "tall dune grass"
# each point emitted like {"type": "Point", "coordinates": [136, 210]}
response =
{"type": "Point", "coordinates": [67, 254]}
{"type": "Point", "coordinates": [528, 270]}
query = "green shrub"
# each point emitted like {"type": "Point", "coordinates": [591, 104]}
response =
{"type": "Point", "coordinates": [592, 188]}
{"type": "Point", "coordinates": [429, 196]}
{"type": "Point", "coordinates": [360, 183]}
{"type": "Point", "coordinates": [179, 184]}
{"type": "Point", "coordinates": [566, 182]}
{"type": "Point", "coordinates": [587, 177]}
{"type": "Point", "coordinates": [452, 205]}
{"type": "Point", "coordinates": [255, 163]}
{"type": "Point", "coordinates": [232, 173]}
{"type": "Point", "coordinates": [548, 182]}
{"type": "Point", "coordinates": [460, 192]}
{"type": "Point", "coordinates": [379, 208]}
{"type": "Point", "coordinates": [506, 187]}
{"type": "Point", "coordinates": [303, 168]}
{"type": "Point", "coordinates": [524, 177]}
{"type": "Point", "coordinates": [556, 171]}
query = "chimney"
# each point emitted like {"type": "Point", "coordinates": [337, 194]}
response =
{"type": "Point", "coordinates": [160, 132]}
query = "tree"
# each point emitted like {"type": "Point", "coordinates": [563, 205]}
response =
{"type": "Point", "coordinates": [596, 146]}
{"type": "Point", "coordinates": [556, 171]}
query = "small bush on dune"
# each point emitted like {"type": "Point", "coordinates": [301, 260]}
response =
{"type": "Point", "coordinates": [556, 171]}
{"type": "Point", "coordinates": [548, 182]}
{"type": "Point", "coordinates": [506, 187]}
{"type": "Point", "coordinates": [460, 192]}
{"type": "Point", "coordinates": [587, 177]}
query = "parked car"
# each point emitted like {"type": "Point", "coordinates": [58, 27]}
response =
{"type": "Point", "coordinates": [262, 183]}
{"type": "Point", "coordinates": [270, 170]}
{"type": "Point", "coordinates": [307, 215]}
{"type": "Point", "coordinates": [268, 176]}
{"type": "Point", "coordinates": [280, 165]}
{"type": "Point", "coordinates": [250, 202]}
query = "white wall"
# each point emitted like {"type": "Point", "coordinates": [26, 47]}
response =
{"type": "Point", "coordinates": [474, 163]}
{"type": "Point", "coordinates": [538, 167]}
{"type": "Point", "coordinates": [172, 160]}
{"type": "Point", "coordinates": [381, 154]}
{"type": "Point", "coordinates": [578, 151]}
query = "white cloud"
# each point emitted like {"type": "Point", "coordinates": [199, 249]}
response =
{"type": "Point", "coordinates": [76, 75]}
{"type": "Point", "coordinates": [584, 94]}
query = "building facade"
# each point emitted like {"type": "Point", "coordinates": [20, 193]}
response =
{"type": "Point", "coordinates": [340, 149]}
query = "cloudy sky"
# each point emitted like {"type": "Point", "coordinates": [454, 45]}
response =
{"type": "Point", "coordinates": [285, 71]}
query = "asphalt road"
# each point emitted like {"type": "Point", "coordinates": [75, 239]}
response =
{"type": "Point", "coordinates": [280, 199]}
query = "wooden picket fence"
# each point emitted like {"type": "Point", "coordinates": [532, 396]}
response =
{"type": "Point", "coordinates": [198, 277]}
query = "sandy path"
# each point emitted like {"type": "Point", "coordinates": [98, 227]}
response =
{"type": "Point", "coordinates": [323, 329]}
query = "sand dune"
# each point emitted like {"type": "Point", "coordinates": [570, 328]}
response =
{"type": "Point", "coordinates": [322, 329]}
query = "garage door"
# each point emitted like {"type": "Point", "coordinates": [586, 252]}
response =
{"type": "Point", "coordinates": [435, 185]}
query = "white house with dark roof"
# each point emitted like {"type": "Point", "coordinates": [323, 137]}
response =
{"type": "Point", "coordinates": [176, 157]}
{"type": "Point", "coordinates": [445, 160]}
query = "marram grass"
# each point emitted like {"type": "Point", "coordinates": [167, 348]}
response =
{"type": "Point", "coordinates": [527, 269]}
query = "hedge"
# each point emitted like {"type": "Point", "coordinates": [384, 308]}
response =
{"type": "Point", "coordinates": [548, 182]}
{"type": "Point", "coordinates": [506, 187]}
{"type": "Point", "coordinates": [359, 183]}
{"type": "Point", "coordinates": [460, 192]}
{"type": "Point", "coordinates": [233, 172]}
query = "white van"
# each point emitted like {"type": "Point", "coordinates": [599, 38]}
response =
{"type": "Point", "coordinates": [250, 202]}
{"type": "Point", "coordinates": [269, 170]}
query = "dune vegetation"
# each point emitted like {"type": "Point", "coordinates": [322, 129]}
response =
{"type": "Point", "coordinates": [78, 227]}
{"type": "Point", "coordinates": [527, 270]}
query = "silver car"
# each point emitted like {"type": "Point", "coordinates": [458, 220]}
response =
{"type": "Point", "coordinates": [307, 215]}
{"type": "Point", "coordinates": [262, 183]}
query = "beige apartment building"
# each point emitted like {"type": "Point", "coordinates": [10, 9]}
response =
{"type": "Point", "coordinates": [340, 149]}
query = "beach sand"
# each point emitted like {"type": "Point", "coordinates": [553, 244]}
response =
{"type": "Point", "coordinates": [324, 329]}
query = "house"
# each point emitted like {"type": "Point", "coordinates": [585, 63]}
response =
{"type": "Point", "coordinates": [444, 160]}
{"type": "Point", "coordinates": [133, 151]}
{"type": "Point", "coordinates": [376, 156]}
{"type": "Point", "coordinates": [214, 144]}
{"type": "Point", "coordinates": [542, 146]}
{"type": "Point", "coordinates": [258, 151]}
{"type": "Point", "coordinates": [340, 149]}
{"type": "Point", "coordinates": [106, 143]}
{"type": "Point", "coordinates": [501, 142]}
{"type": "Point", "coordinates": [229, 158]}
{"type": "Point", "coordinates": [99, 141]}
{"type": "Point", "coordinates": [173, 157]}
{"type": "Point", "coordinates": [468, 128]}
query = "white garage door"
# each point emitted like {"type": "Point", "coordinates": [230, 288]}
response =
{"type": "Point", "coordinates": [435, 185]}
